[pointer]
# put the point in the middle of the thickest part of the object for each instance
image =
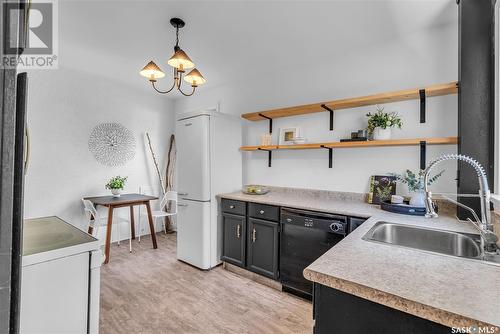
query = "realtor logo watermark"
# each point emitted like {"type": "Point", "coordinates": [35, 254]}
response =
{"type": "Point", "coordinates": [474, 329]}
{"type": "Point", "coordinates": [37, 48]}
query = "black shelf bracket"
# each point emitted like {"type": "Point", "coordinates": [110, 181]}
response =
{"type": "Point", "coordinates": [423, 153]}
{"type": "Point", "coordinates": [270, 123]}
{"type": "Point", "coordinates": [421, 92]}
{"type": "Point", "coordinates": [269, 157]}
{"type": "Point", "coordinates": [330, 155]}
{"type": "Point", "coordinates": [324, 106]}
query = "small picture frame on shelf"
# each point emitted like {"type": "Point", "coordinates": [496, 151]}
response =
{"type": "Point", "coordinates": [287, 135]}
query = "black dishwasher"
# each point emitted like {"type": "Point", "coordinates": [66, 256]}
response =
{"type": "Point", "coordinates": [305, 236]}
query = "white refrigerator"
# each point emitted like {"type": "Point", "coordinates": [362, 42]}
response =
{"type": "Point", "coordinates": [208, 163]}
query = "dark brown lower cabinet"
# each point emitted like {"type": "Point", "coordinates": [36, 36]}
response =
{"type": "Point", "coordinates": [234, 234]}
{"type": "Point", "coordinates": [338, 312]}
{"type": "Point", "coordinates": [263, 247]}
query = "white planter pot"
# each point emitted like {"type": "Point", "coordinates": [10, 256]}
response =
{"type": "Point", "coordinates": [381, 134]}
{"type": "Point", "coordinates": [418, 199]}
{"type": "Point", "coordinates": [116, 192]}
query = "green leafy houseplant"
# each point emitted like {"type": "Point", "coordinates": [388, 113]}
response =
{"type": "Point", "coordinates": [415, 181]}
{"type": "Point", "coordinates": [383, 120]}
{"type": "Point", "coordinates": [116, 182]}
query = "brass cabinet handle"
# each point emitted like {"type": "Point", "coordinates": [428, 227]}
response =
{"type": "Point", "coordinates": [232, 207]}
{"type": "Point", "coordinates": [261, 212]}
{"type": "Point", "coordinates": [254, 235]}
{"type": "Point", "coordinates": [238, 231]}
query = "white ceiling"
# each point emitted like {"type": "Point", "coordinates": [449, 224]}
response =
{"type": "Point", "coordinates": [230, 41]}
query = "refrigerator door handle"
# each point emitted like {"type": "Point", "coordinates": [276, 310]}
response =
{"type": "Point", "coordinates": [27, 152]}
{"type": "Point", "coordinates": [181, 204]}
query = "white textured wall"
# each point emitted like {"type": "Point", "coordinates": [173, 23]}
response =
{"type": "Point", "coordinates": [63, 107]}
{"type": "Point", "coordinates": [427, 56]}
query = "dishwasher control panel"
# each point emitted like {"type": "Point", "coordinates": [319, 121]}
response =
{"type": "Point", "coordinates": [323, 221]}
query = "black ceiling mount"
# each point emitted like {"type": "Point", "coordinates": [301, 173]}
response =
{"type": "Point", "coordinates": [177, 22]}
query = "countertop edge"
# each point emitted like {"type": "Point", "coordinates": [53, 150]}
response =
{"type": "Point", "coordinates": [393, 301]}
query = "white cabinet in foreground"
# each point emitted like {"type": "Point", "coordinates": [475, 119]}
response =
{"type": "Point", "coordinates": [59, 279]}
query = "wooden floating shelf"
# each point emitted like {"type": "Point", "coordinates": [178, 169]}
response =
{"type": "Point", "coordinates": [371, 143]}
{"type": "Point", "coordinates": [402, 95]}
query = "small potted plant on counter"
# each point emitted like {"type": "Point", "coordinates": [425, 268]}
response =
{"type": "Point", "coordinates": [116, 185]}
{"type": "Point", "coordinates": [415, 183]}
{"type": "Point", "coordinates": [381, 123]}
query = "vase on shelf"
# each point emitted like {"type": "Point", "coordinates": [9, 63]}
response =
{"type": "Point", "coordinates": [381, 134]}
{"type": "Point", "coordinates": [116, 192]}
{"type": "Point", "coordinates": [418, 199]}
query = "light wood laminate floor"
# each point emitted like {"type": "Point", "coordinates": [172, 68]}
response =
{"type": "Point", "coordinates": [149, 291]}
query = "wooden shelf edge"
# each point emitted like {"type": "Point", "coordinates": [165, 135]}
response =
{"type": "Point", "coordinates": [371, 143]}
{"type": "Point", "coordinates": [396, 96]}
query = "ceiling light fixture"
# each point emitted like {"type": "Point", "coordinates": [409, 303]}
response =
{"type": "Point", "coordinates": [180, 61]}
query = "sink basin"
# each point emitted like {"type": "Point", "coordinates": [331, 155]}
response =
{"type": "Point", "coordinates": [426, 239]}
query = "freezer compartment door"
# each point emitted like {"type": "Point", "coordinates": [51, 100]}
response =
{"type": "Point", "coordinates": [193, 157]}
{"type": "Point", "coordinates": [193, 233]}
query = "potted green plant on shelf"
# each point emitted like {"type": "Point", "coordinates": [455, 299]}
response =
{"type": "Point", "coordinates": [116, 185]}
{"type": "Point", "coordinates": [380, 123]}
{"type": "Point", "coordinates": [415, 183]}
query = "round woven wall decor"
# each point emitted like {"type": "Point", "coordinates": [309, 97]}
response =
{"type": "Point", "coordinates": [112, 144]}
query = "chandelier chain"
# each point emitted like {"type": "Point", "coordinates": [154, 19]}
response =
{"type": "Point", "coordinates": [177, 37]}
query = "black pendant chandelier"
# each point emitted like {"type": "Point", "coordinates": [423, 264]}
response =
{"type": "Point", "coordinates": [180, 61]}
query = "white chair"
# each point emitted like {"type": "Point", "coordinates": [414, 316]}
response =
{"type": "Point", "coordinates": [99, 221]}
{"type": "Point", "coordinates": [170, 197]}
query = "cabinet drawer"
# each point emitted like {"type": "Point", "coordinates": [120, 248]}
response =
{"type": "Point", "coordinates": [234, 207]}
{"type": "Point", "coordinates": [262, 211]}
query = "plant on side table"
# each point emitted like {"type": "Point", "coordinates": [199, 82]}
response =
{"type": "Point", "coordinates": [415, 183]}
{"type": "Point", "coordinates": [381, 123]}
{"type": "Point", "coordinates": [116, 185]}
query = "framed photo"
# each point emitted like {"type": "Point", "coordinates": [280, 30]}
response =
{"type": "Point", "coordinates": [381, 188]}
{"type": "Point", "coordinates": [287, 135]}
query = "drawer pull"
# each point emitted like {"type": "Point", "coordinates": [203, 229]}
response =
{"type": "Point", "coordinates": [289, 220]}
{"type": "Point", "coordinates": [238, 231]}
{"type": "Point", "coordinates": [232, 207]}
{"type": "Point", "coordinates": [261, 212]}
{"type": "Point", "coordinates": [254, 237]}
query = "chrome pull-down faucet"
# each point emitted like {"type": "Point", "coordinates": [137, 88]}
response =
{"type": "Point", "coordinates": [488, 237]}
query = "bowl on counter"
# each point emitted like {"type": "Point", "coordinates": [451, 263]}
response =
{"type": "Point", "coordinates": [254, 189]}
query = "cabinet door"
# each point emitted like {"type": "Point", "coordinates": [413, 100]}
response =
{"type": "Point", "coordinates": [262, 247]}
{"type": "Point", "coordinates": [233, 245]}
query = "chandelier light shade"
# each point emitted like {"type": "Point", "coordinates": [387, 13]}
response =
{"type": "Point", "coordinates": [152, 71]}
{"type": "Point", "coordinates": [180, 62]}
{"type": "Point", "coordinates": [194, 78]}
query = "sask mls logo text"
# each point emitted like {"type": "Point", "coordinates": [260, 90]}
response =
{"type": "Point", "coordinates": [34, 44]}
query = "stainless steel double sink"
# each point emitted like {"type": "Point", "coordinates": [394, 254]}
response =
{"type": "Point", "coordinates": [426, 239]}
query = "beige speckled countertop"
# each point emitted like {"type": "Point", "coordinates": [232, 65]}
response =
{"type": "Point", "coordinates": [455, 292]}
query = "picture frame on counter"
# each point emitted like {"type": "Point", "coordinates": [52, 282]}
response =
{"type": "Point", "coordinates": [288, 135]}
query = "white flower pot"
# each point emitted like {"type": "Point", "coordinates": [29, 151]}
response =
{"type": "Point", "coordinates": [381, 134]}
{"type": "Point", "coordinates": [116, 192]}
{"type": "Point", "coordinates": [418, 199]}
